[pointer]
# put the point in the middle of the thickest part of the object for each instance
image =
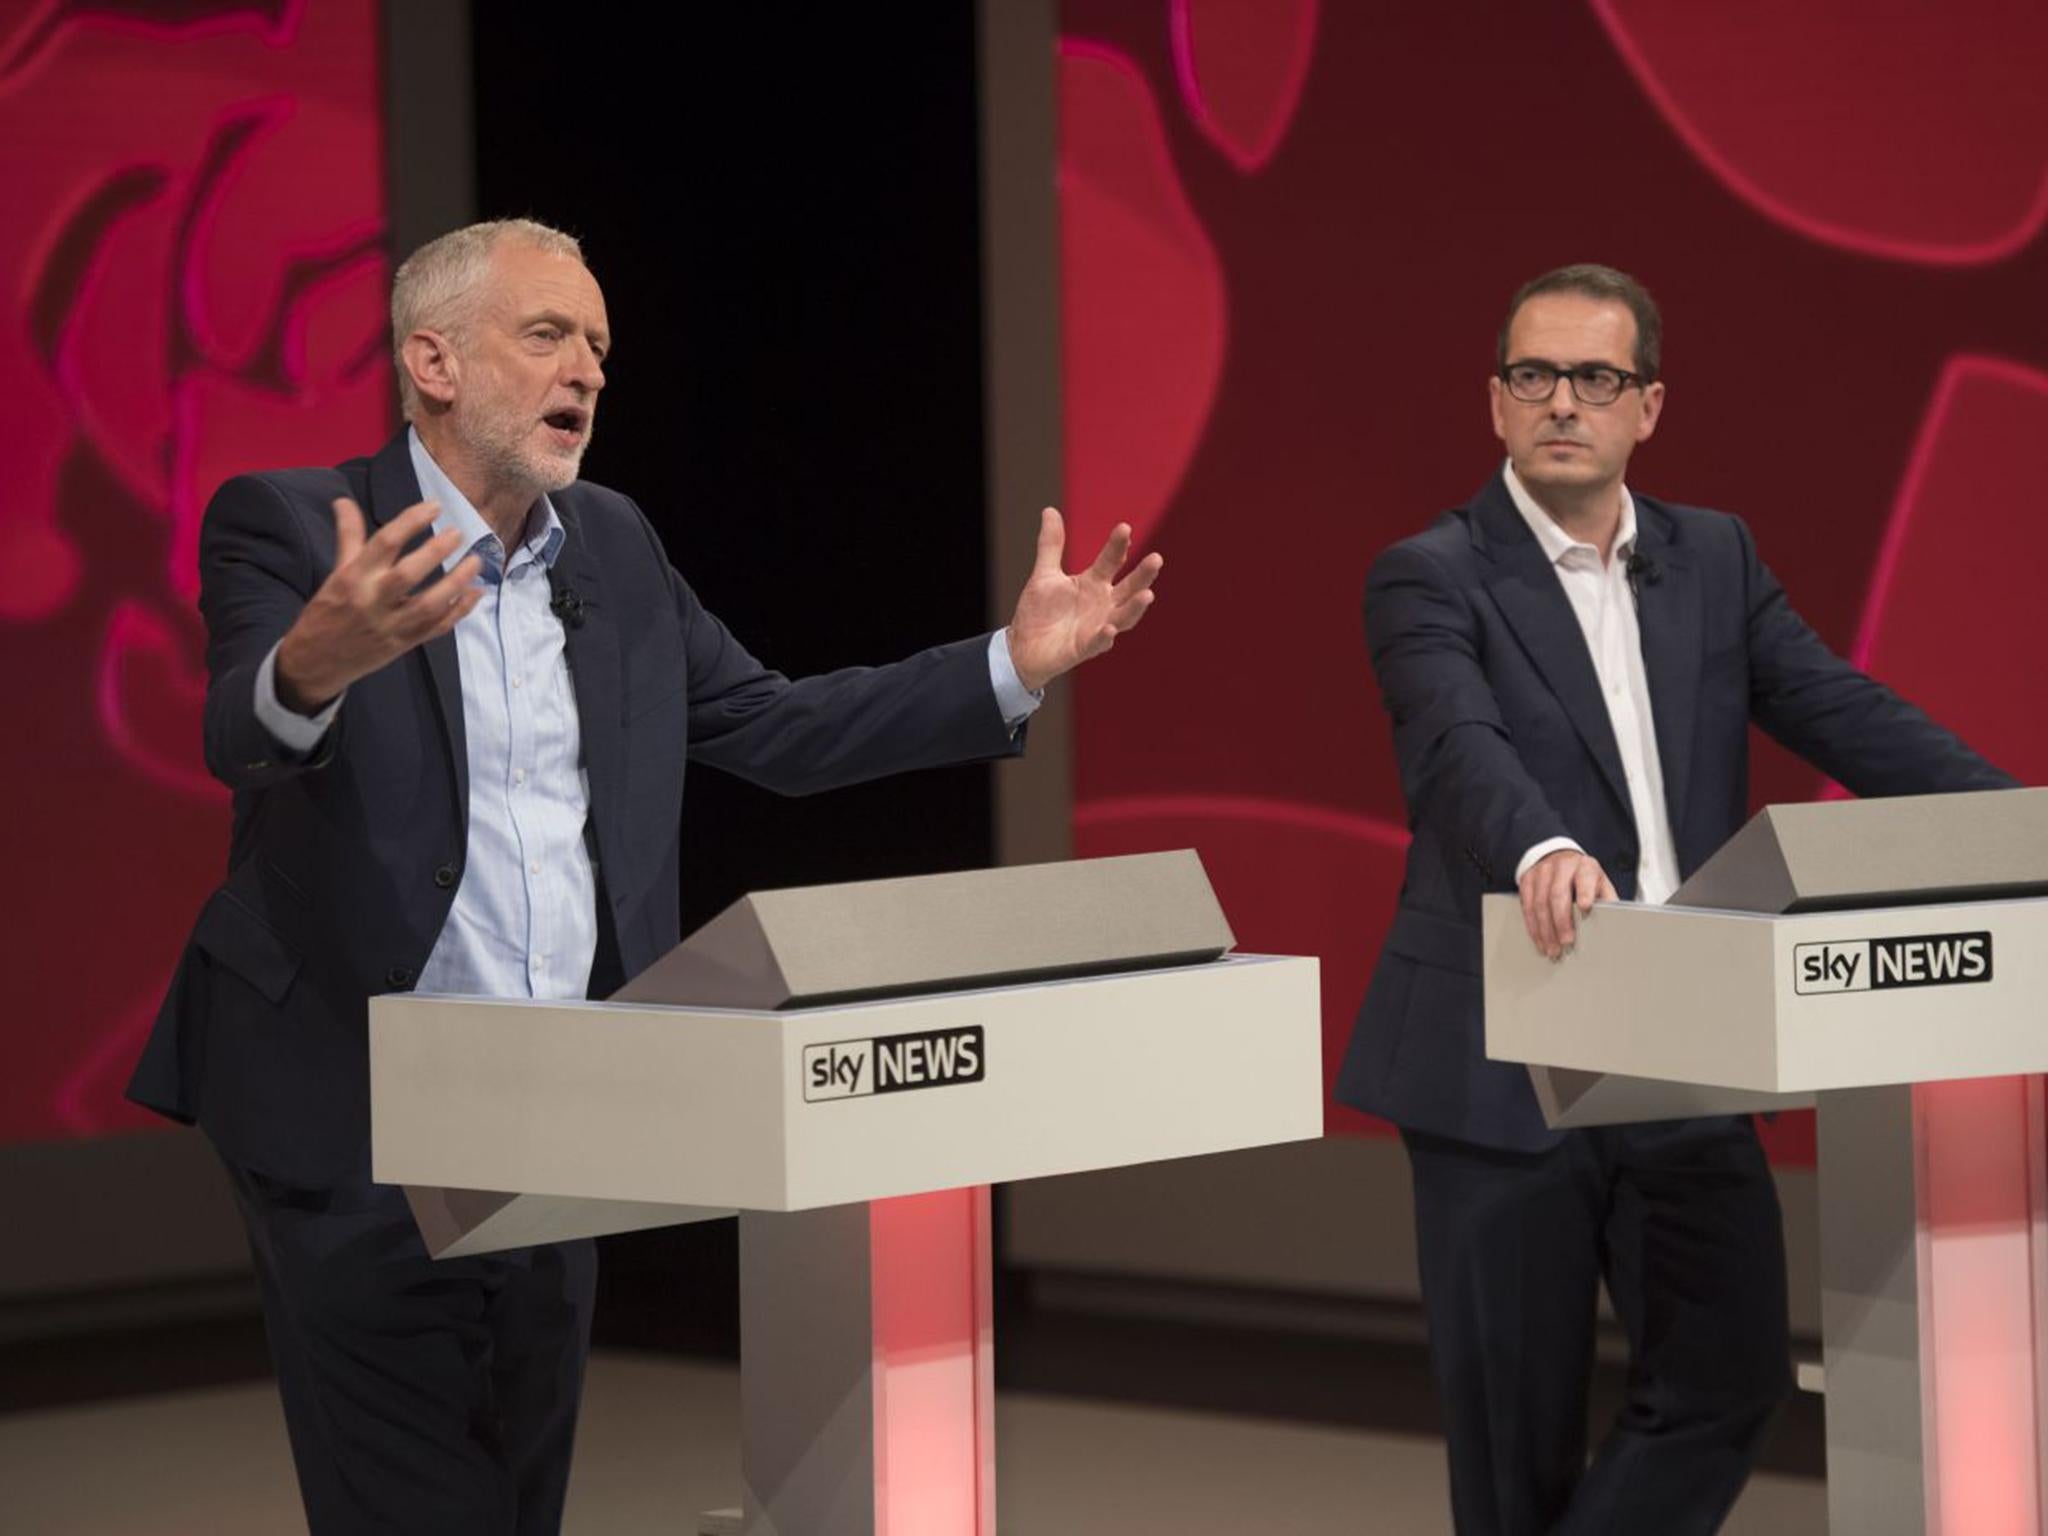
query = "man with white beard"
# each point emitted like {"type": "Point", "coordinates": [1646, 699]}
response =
{"type": "Point", "coordinates": [453, 690]}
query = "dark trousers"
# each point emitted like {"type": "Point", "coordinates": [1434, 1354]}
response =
{"type": "Point", "coordinates": [424, 1397]}
{"type": "Point", "coordinates": [1680, 1220]}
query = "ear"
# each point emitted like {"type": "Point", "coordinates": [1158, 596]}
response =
{"type": "Point", "coordinates": [430, 361]}
{"type": "Point", "coordinates": [1653, 408]}
{"type": "Point", "coordinates": [1493, 401]}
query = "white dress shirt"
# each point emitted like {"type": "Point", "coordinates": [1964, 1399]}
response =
{"type": "Point", "coordinates": [1600, 597]}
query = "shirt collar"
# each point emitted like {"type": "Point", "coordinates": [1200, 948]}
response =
{"type": "Point", "coordinates": [544, 531]}
{"type": "Point", "coordinates": [1555, 541]}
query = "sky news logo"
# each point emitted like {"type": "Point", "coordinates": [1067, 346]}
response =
{"type": "Point", "coordinates": [854, 1069]}
{"type": "Point", "coordinates": [1872, 965]}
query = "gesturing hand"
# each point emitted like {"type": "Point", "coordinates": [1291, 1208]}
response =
{"type": "Point", "coordinates": [1063, 620]}
{"type": "Point", "coordinates": [1556, 890]}
{"type": "Point", "coordinates": [367, 612]}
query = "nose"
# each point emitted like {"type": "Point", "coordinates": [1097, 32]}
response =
{"type": "Point", "coordinates": [582, 370]}
{"type": "Point", "coordinates": [1563, 401]}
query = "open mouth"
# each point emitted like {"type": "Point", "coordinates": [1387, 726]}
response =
{"type": "Point", "coordinates": [568, 424]}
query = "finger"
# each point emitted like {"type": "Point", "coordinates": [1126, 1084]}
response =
{"type": "Point", "coordinates": [418, 565]}
{"type": "Point", "coordinates": [1555, 932]}
{"type": "Point", "coordinates": [389, 541]}
{"type": "Point", "coordinates": [454, 612]}
{"type": "Point", "coordinates": [1052, 544]}
{"type": "Point", "coordinates": [348, 530]}
{"type": "Point", "coordinates": [1544, 929]}
{"type": "Point", "coordinates": [1561, 914]}
{"type": "Point", "coordinates": [1127, 616]}
{"type": "Point", "coordinates": [1096, 643]}
{"type": "Point", "coordinates": [1607, 890]}
{"type": "Point", "coordinates": [1586, 884]}
{"type": "Point", "coordinates": [427, 605]}
{"type": "Point", "coordinates": [1115, 550]}
{"type": "Point", "coordinates": [1532, 913]}
{"type": "Point", "coordinates": [1139, 580]}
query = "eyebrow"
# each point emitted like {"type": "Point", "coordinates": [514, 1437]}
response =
{"type": "Point", "coordinates": [561, 321]}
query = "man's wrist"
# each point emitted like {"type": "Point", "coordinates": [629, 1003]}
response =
{"type": "Point", "coordinates": [1029, 685]}
{"type": "Point", "coordinates": [297, 734]}
{"type": "Point", "coordinates": [296, 692]}
{"type": "Point", "coordinates": [1016, 699]}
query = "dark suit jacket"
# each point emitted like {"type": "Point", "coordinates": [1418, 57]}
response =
{"type": "Point", "coordinates": [1504, 741]}
{"type": "Point", "coordinates": [342, 868]}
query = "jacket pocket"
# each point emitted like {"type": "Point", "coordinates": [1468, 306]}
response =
{"type": "Point", "coordinates": [235, 937]}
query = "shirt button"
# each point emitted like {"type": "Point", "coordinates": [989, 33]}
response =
{"type": "Point", "coordinates": [515, 682]}
{"type": "Point", "coordinates": [534, 867]}
{"type": "Point", "coordinates": [518, 775]}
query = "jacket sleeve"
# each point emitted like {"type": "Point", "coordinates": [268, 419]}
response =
{"type": "Point", "coordinates": [934, 708]}
{"type": "Point", "coordinates": [1851, 727]}
{"type": "Point", "coordinates": [1460, 771]}
{"type": "Point", "coordinates": [257, 568]}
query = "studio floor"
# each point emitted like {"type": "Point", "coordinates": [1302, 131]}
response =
{"type": "Point", "coordinates": [659, 1443]}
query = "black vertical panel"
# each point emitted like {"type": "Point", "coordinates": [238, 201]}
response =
{"type": "Point", "coordinates": [780, 202]}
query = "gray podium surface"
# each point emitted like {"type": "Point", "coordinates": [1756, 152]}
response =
{"type": "Point", "coordinates": [1889, 943]}
{"type": "Point", "coordinates": [860, 1044]}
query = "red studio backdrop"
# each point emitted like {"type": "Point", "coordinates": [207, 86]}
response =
{"type": "Point", "coordinates": [193, 271]}
{"type": "Point", "coordinates": [1289, 230]}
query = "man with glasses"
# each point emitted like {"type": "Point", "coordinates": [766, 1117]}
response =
{"type": "Point", "coordinates": [1571, 671]}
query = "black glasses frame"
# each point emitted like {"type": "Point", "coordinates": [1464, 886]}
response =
{"type": "Point", "coordinates": [1582, 374]}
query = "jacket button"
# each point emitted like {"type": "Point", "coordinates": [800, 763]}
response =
{"type": "Point", "coordinates": [446, 876]}
{"type": "Point", "coordinates": [399, 976]}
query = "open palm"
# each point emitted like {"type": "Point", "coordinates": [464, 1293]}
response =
{"type": "Point", "coordinates": [1061, 620]}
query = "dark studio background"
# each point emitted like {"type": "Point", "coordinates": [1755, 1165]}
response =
{"type": "Point", "coordinates": [780, 204]}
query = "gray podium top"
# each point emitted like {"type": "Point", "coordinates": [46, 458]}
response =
{"type": "Point", "coordinates": [1703, 1006]}
{"type": "Point", "coordinates": [1831, 855]}
{"type": "Point", "coordinates": [832, 944]}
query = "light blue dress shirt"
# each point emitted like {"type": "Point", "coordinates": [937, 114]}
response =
{"type": "Point", "coordinates": [524, 919]}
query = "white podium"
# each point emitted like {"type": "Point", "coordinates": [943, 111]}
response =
{"type": "Point", "coordinates": [1886, 961]}
{"type": "Point", "coordinates": [915, 1041]}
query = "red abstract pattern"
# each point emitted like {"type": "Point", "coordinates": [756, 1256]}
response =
{"type": "Point", "coordinates": [1879, 423]}
{"type": "Point", "coordinates": [1958, 573]}
{"type": "Point", "coordinates": [1886, 129]}
{"type": "Point", "coordinates": [194, 242]}
{"type": "Point", "coordinates": [1144, 301]}
{"type": "Point", "coordinates": [1241, 65]}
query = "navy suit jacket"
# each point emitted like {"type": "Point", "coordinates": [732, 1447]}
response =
{"type": "Point", "coordinates": [1504, 741]}
{"type": "Point", "coordinates": [342, 866]}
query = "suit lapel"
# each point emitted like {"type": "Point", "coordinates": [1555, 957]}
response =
{"type": "Point", "coordinates": [593, 651]}
{"type": "Point", "coordinates": [1532, 600]}
{"type": "Point", "coordinates": [393, 488]}
{"type": "Point", "coordinates": [1668, 614]}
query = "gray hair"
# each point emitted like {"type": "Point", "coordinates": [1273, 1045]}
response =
{"type": "Point", "coordinates": [435, 287]}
